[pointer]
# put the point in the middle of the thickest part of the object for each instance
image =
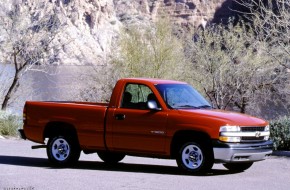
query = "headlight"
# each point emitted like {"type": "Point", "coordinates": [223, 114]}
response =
{"type": "Point", "coordinates": [267, 129]}
{"type": "Point", "coordinates": [229, 128]}
{"type": "Point", "coordinates": [228, 133]}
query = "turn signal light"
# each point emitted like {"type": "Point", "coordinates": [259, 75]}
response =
{"type": "Point", "coordinates": [230, 139]}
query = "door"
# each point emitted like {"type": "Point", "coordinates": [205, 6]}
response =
{"type": "Point", "coordinates": [135, 127]}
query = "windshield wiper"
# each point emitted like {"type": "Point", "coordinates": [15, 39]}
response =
{"type": "Point", "coordinates": [186, 106]}
{"type": "Point", "coordinates": [204, 106]}
{"type": "Point", "coordinates": [191, 106]}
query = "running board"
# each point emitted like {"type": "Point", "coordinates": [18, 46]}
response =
{"type": "Point", "coordinates": [38, 146]}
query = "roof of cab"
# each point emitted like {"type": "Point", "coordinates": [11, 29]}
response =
{"type": "Point", "coordinates": [153, 81]}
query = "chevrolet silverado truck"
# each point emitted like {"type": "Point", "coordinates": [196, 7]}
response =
{"type": "Point", "coordinates": [151, 118]}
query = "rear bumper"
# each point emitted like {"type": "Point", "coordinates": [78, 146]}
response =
{"type": "Point", "coordinates": [22, 134]}
{"type": "Point", "coordinates": [235, 152]}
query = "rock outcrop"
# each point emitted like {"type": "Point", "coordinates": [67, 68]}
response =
{"type": "Point", "coordinates": [92, 26]}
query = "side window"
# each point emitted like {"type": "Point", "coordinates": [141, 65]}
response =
{"type": "Point", "coordinates": [136, 96]}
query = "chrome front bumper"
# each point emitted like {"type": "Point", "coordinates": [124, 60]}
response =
{"type": "Point", "coordinates": [235, 152]}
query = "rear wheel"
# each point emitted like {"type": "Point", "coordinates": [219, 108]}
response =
{"type": "Point", "coordinates": [62, 150]}
{"type": "Point", "coordinates": [194, 157]}
{"type": "Point", "coordinates": [111, 157]}
{"type": "Point", "coordinates": [238, 167]}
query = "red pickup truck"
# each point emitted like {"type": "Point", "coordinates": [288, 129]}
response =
{"type": "Point", "coordinates": [152, 118]}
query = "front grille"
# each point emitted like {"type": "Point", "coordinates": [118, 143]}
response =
{"type": "Point", "coordinates": [252, 129]}
{"type": "Point", "coordinates": [252, 138]}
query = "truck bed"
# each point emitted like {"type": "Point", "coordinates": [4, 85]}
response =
{"type": "Point", "coordinates": [87, 118]}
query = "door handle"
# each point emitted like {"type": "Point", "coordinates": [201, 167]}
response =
{"type": "Point", "coordinates": [120, 116]}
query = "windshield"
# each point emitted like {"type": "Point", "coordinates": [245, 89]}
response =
{"type": "Point", "coordinates": [180, 96]}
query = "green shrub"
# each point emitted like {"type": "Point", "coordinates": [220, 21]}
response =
{"type": "Point", "coordinates": [9, 123]}
{"type": "Point", "coordinates": [280, 133]}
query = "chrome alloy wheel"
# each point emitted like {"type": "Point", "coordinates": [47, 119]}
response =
{"type": "Point", "coordinates": [60, 149]}
{"type": "Point", "coordinates": [192, 156]}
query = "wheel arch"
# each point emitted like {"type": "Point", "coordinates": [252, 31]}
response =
{"type": "Point", "coordinates": [183, 136]}
{"type": "Point", "coordinates": [60, 128]}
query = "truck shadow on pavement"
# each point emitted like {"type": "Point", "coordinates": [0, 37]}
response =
{"type": "Point", "coordinates": [97, 165]}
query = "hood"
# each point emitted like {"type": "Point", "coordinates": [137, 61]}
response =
{"type": "Point", "coordinates": [224, 117]}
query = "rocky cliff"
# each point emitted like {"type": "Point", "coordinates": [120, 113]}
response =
{"type": "Point", "coordinates": [93, 25]}
{"type": "Point", "coordinates": [89, 29]}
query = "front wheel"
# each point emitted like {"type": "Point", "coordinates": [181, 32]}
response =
{"type": "Point", "coordinates": [193, 157]}
{"type": "Point", "coordinates": [238, 167]}
{"type": "Point", "coordinates": [62, 150]}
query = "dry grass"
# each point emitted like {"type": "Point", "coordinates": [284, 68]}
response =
{"type": "Point", "coordinates": [9, 123]}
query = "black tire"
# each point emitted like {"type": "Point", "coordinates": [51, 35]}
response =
{"type": "Point", "coordinates": [238, 167]}
{"type": "Point", "coordinates": [194, 158]}
{"type": "Point", "coordinates": [111, 157]}
{"type": "Point", "coordinates": [62, 150]}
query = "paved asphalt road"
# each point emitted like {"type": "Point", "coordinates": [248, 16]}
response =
{"type": "Point", "coordinates": [22, 168]}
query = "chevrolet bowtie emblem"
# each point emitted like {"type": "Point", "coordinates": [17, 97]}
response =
{"type": "Point", "coordinates": [258, 133]}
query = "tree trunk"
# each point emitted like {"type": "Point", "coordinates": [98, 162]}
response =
{"type": "Point", "coordinates": [13, 86]}
{"type": "Point", "coordinates": [10, 90]}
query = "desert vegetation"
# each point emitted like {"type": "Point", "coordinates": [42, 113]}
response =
{"type": "Point", "coordinates": [241, 66]}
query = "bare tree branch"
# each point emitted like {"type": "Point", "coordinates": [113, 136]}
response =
{"type": "Point", "coordinates": [29, 32]}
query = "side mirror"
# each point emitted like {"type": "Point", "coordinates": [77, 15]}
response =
{"type": "Point", "coordinates": [152, 105]}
